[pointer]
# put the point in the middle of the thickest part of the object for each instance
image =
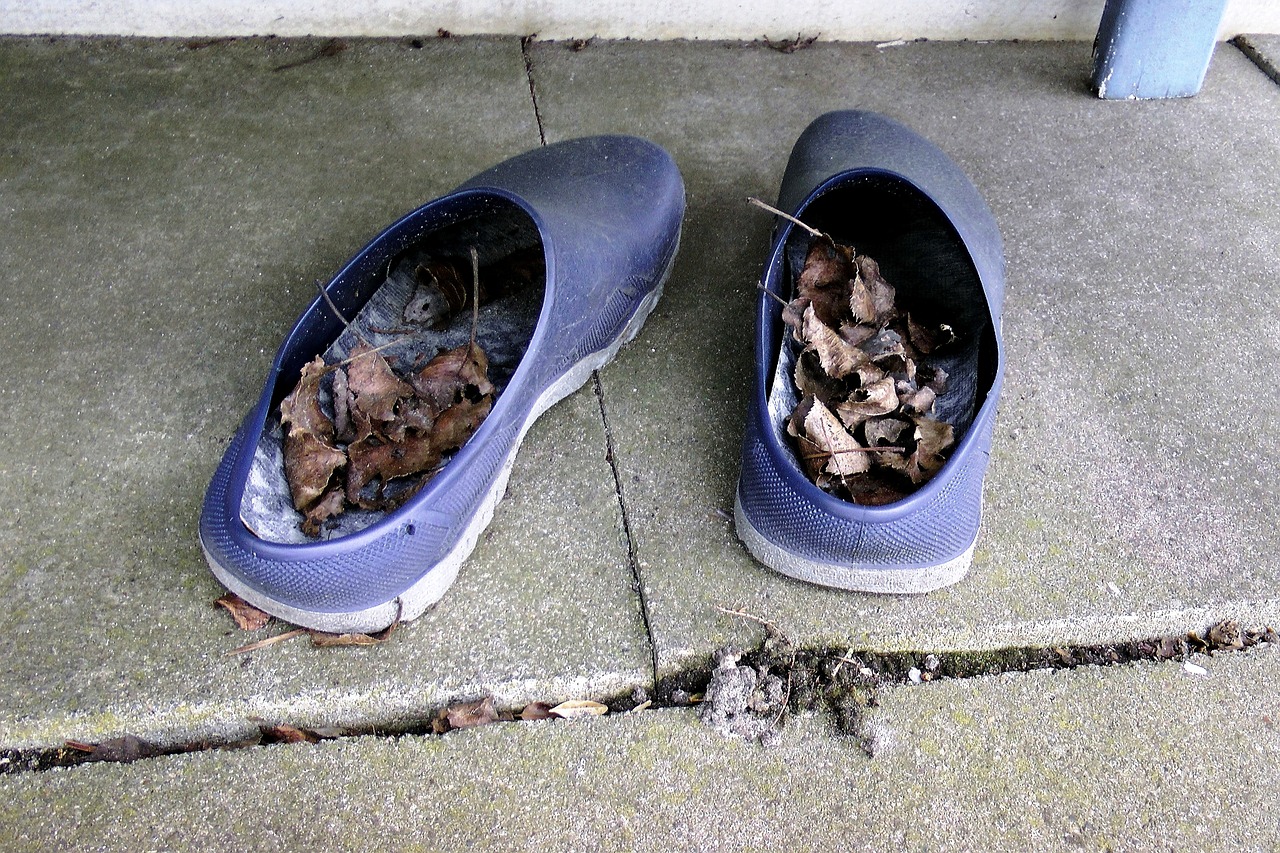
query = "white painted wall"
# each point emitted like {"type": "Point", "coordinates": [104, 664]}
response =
{"type": "Point", "coordinates": [833, 20]}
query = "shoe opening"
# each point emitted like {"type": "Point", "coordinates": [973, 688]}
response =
{"type": "Point", "coordinates": [921, 255]}
{"type": "Point", "coordinates": [417, 305]}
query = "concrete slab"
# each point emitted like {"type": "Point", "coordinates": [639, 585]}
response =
{"type": "Point", "coordinates": [1263, 50]}
{"type": "Point", "coordinates": [1131, 485]}
{"type": "Point", "coordinates": [164, 210]}
{"type": "Point", "coordinates": [1144, 757]}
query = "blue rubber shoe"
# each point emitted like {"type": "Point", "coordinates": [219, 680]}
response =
{"type": "Point", "coordinates": [870, 182]}
{"type": "Point", "coordinates": [603, 214]}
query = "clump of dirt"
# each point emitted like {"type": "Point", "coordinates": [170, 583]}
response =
{"type": "Point", "coordinates": [744, 700]}
{"type": "Point", "coordinates": [751, 693]}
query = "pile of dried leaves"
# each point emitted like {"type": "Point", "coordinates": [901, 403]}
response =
{"type": "Point", "coordinates": [391, 431]}
{"type": "Point", "coordinates": [863, 428]}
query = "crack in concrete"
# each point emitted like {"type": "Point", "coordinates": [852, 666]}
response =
{"type": "Point", "coordinates": [525, 44]}
{"type": "Point", "coordinates": [1257, 56]}
{"type": "Point", "coordinates": [841, 683]}
{"type": "Point", "coordinates": [633, 558]}
{"type": "Point", "coordinates": [844, 685]}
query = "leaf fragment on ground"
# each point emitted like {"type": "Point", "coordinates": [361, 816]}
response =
{"type": "Point", "coordinates": [121, 749]}
{"type": "Point", "coordinates": [466, 715]}
{"type": "Point", "coordinates": [536, 711]}
{"type": "Point", "coordinates": [246, 616]}
{"type": "Point", "coordinates": [579, 708]}
{"type": "Point", "coordinates": [290, 734]}
{"type": "Point", "coordinates": [320, 639]}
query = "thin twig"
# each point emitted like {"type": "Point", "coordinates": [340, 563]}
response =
{"type": "Point", "coordinates": [787, 216]}
{"type": "Point", "coordinates": [328, 300]}
{"type": "Point", "coordinates": [743, 614]}
{"type": "Point", "coordinates": [886, 449]}
{"type": "Point", "coordinates": [369, 351]}
{"type": "Point", "coordinates": [346, 324]}
{"type": "Point", "coordinates": [269, 641]}
{"type": "Point", "coordinates": [475, 297]}
{"type": "Point", "coordinates": [784, 303]}
{"type": "Point", "coordinates": [841, 662]}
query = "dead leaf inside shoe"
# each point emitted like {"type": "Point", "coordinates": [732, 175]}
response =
{"type": "Point", "coordinates": [883, 336]}
{"type": "Point", "coordinates": [381, 412]}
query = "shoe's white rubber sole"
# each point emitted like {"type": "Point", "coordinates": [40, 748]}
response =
{"type": "Point", "coordinates": [859, 579]}
{"type": "Point", "coordinates": [414, 601]}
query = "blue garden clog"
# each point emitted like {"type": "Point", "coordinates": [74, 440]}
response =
{"type": "Point", "coordinates": [597, 221]}
{"type": "Point", "coordinates": [870, 182]}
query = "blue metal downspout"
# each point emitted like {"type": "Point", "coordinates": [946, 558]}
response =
{"type": "Point", "coordinates": [1154, 48]}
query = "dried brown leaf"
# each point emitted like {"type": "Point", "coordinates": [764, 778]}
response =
{"type": "Point", "coordinates": [413, 416]}
{"type": "Point", "coordinates": [902, 369]}
{"type": "Point", "coordinates": [1226, 635]}
{"type": "Point", "coordinates": [883, 294]}
{"type": "Point", "coordinates": [874, 490]}
{"type": "Point", "coordinates": [374, 387]}
{"type": "Point", "coordinates": [579, 708]}
{"type": "Point", "coordinates": [536, 711]}
{"type": "Point", "coordinates": [457, 423]}
{"type": "Point", "coordinates": [309, 464]}
{"type": "Point", "coordinates": [837, 357]}
{"type": "Point", "coordinates": [810, 379]}
{"type": "Point", "coordinates": [328, 641]}
{"type": "Point", "coordinates": [933, 439]}
{"type": "Point", "coordinates": [934, 435]}
{"type": "Point", "coordinates": [373, 460]}
{"type": "Point", "coordinates": [310, 458]}
{"type": "Point", "coordinates": [824, 281]}
{"type": "Point", "coordinates": [929, 339]}
{"type": "Point", "coordinates": [933, 377]}
{"type": "Point", "coordinates": [331, 504]}
{"type": "Point", "coordinates": [882, 432]}
{"type": "Point", "coordinates": [857, 334]}
{"type": "Point", "coordinates": [919, 402]}
{"type": "Point", "coordinates": [827, 264]}
{"type": "Point", "coordinates": [471, 714]}
{"type": "Point", "coordinates": [248, 617]}
{"type": "Point", "coordinates": [886, 344]}
{"type": "Point", "coordinates": [290, 734]}
{"type": "Point", "coordinates": [452, 375]}
{"type": "Point", "coordinates": [831, 444]}
{"type": "Point", "coordinates": [300, 412]}
{"type": "Point", "coordinates": [793, 316]}
{"type": "Point", "coordinates": [861, 304]}
{"type": "Point", "coordinates": [121, 749]}
{"type": "Point", "coordinates": [878, 398]}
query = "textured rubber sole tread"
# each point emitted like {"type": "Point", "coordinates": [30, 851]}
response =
{"type": "Point", "coordinates": [855, 578]}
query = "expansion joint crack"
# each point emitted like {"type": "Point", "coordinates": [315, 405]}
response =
{"type": "Point", "coordinates": [632, 555]}
{"type": "Point", "coordinates": [526, 45]}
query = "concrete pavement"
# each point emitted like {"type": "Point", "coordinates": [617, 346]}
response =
{"type": "Point", "coordinates": [164, 209]}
